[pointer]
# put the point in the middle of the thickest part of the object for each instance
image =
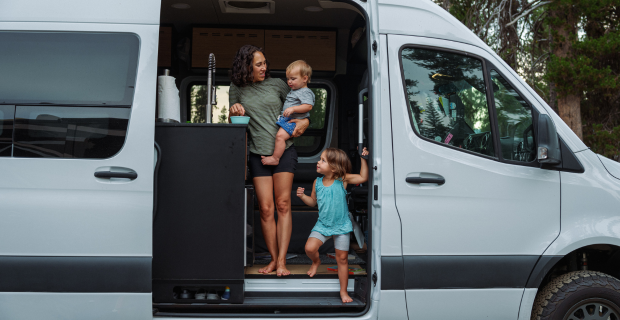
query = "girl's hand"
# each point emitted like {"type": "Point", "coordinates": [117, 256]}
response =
{"type": "Point", "coordinates": [300, 192]}
{"type": "Point", "coordinates": [288, 112]}
{"type": "Point", "coordinates": [365, 152]}
{"type": "Point", "coordinates": [300, 128]}
{"type": "Point", "coordinates": [236, 110]}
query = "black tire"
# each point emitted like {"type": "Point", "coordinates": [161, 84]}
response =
{"type": "Point", "coordinates": [579, 295]}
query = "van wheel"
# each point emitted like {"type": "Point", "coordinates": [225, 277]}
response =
{"type": "Point", "coordinates": [579, 295]}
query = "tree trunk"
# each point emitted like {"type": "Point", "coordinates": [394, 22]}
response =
{"type": "Point", "coordinates": [569, 104]}
{"type": "Point", "coordinates": [570, 111]}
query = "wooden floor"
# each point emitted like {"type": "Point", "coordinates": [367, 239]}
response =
{"type": "Point", "coordinates": [298, 269]}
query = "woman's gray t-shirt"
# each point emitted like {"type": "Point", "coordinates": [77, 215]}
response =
{"type": "Point", "coordinates": [262, 102]}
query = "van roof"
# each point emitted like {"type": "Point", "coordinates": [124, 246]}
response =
{"type": "Point", "coordinates": [425, 19]}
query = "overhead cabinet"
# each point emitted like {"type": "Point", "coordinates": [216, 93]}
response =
{"type": "Point", "coordinates": [282, 47]}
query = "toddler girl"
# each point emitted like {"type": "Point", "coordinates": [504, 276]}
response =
{"type": "Point", "coordinates": [329, 192]}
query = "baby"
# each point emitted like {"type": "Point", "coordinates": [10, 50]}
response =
{"type": "Point", "coordinates": [297, 105]}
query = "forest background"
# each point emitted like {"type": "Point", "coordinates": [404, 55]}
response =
{"type": "Point", "coordinates": [567, 50]}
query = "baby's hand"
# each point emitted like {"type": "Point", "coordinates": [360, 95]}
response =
{"type": "Point", "coordinates": [288, 112]}
{"type": "Point", "coordinates": [300, 192]}
{"type": "Point", "coordinates": [365, 152]}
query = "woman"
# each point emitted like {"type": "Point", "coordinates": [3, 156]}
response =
{"type": "Point", "coordinates": [253, 93]}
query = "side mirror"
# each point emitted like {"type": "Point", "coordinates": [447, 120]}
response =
{"type": "Point", "coordinates": [548, 142]}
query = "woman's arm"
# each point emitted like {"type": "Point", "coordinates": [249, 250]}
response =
{"type": "Point", "coordinates": [363, 176]}
{"type": "Point", "coordinates": [311, 200]}
{"type": "Point", "coordinates": [300, 128]}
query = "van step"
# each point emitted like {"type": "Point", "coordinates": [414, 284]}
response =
{"type": "Point", "coordinates": [256, 300]}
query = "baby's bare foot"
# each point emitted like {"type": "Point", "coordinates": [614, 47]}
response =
{"type": "Point", "coordinates": [313, 269]}
{"type": "Point", "coordinates": [345, 297]}
{"type": "Point", "coordinates": [269, 161]}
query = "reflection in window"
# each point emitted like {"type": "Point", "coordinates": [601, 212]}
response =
{"type": "Point", "coordinates": [198, 104]}
{"type": "Point", "coordinates": [6, 130]}
{"type": "Point", "coordinates": [314, 138]}
{"type": "Point", "coordinates": [69, 132]}
{"type": "Point", "coordinates": [514, 119]}
{"type": "Point", "coordinates": [447, 99]}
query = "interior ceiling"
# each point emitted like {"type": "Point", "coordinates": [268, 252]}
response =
{"type": "Point", "coordinates": [289, 13]}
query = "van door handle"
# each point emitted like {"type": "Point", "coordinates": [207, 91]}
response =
{"type": "Point", "coordinates": [112, 174]}
{"type": "Point", "coordinates": [418, 180]}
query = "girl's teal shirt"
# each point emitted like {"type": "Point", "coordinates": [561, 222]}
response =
{"type": "Point", "coordinates": [333, 210]}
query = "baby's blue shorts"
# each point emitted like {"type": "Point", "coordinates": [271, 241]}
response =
{"type": "Point", "coordinates": [284, 123]}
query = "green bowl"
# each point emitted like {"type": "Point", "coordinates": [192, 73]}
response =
{"type": "Point", "coordinates": [240, 119]}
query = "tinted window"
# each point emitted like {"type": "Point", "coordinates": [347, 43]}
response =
{"type": "Point", "coordinates": [198, 103]}
{"type": "Point", "coordinates": [69, 132]}
{"type": "Point", "coordinates": [6, 130]}
{"type": "Point", "coordinates": [447, 99]}
{"type": "Point", "coordinates": [514, 119]}
{"type": "Point", "coordinates": [67, 68]}
{"type": "Point", "coordinates": [312, 141]}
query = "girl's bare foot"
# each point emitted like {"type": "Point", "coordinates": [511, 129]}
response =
{"type": "Point", "coordinates": [269, 161]}
{"type": "Point", "coordinates": [269, 268]}
{"type": "Point", "coordinates": [313, 268]}
{"type": "Point", "coordinates": [345, 297]}
{"type": "Point", "coordinates": [282, 270]}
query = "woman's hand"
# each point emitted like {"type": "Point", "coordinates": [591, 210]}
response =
{"type": "Point", "coordinates": [236, 110]}
{"type": "Point", "coordinates": [300, 128]}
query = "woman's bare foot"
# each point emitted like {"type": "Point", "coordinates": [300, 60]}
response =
{"type": "Point", "coordinates": [313, 268]}
{"type": "Point", "coordinates": [345, 297]}
{"type": "Point", "coordinates": [282, 270]}
{"type": "Point", "coordinates": [269, 161]}
{"type": "Point", "coordinates": [269, 268]}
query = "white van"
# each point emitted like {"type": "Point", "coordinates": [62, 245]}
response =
{"type": "Point", "coordinates": [482, 203]}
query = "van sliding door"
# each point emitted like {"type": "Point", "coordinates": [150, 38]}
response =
{"type": "Point", "coordinates": [76, 163]}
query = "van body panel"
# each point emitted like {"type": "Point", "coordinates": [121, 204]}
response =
{"type": "Point", "coordinates": [83, 228]}
{"type": "Point", "coordinates": [393, 305]}
{"type": "Point", "coordinates": [484, 206]}
{"type": "Point", "coordinates": [85, 11]}
{"type": "Point", "coordinates": [39, 305]}
{"type": "Point", "coordinates": [384, 175]}
{"type": "Point", "coordinates": [590, 203]}
{"type": "Point", "coordinates": [499, 304]}
{"type": "Point", "coordinates": [424, 19]}
{"type": "Point", "coordinates": [527, 303]}
{"type": "Point", "coordinates": [75, 213]}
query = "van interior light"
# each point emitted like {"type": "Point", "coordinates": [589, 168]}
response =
{"type": "Point", "coordinates": [313, 9]}
{"type": "Point", "coordinates": [247, 6]}
{"type": "Point", "coordinates": [181, 6]}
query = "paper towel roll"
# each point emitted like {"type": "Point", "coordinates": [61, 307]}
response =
{"type": "Point", "coordinates": [168, 101]}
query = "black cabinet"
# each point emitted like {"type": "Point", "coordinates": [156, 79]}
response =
{"type": "Point", "coordinates": [199, 231]}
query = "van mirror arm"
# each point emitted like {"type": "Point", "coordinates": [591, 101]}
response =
{"type": "Point", "coordinates": [548, 142]}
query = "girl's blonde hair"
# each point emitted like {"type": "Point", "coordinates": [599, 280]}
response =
{"type": "Point", "coordinates": [304, 68]}
{"type": "Point", "coordinates": [338, 161]}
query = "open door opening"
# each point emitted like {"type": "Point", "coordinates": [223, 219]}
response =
{"type": "Point", "coordinates": [207, 242]}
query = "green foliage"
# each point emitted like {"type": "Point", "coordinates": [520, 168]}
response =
{"type": "Point", "coordinates": [605, 142]}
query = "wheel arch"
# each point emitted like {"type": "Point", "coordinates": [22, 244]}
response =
{"type": "Point", "coordinates": [599, 256]}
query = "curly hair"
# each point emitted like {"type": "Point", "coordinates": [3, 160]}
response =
{"type": "Point", "coordinates": [242, 74]}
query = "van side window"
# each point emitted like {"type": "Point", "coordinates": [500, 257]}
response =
{"type": "Point", "coordinates": [71, 93]}
{"type": "Point", "coordinates": [307, 145]}
{"type": "Point", "coordinates": [447, 99]}
{"type": "Point", "coordinates": [514, 119]}
{"type": "Point", "coordinates": [313, 140]}
{"type": "Point", "coordinates": [69, 132]}
{"type": "Point", "coordinates": [7, 114]}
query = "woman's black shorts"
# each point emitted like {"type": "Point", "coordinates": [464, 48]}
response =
{"type": "Point", "coordinates": [288, 163]}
